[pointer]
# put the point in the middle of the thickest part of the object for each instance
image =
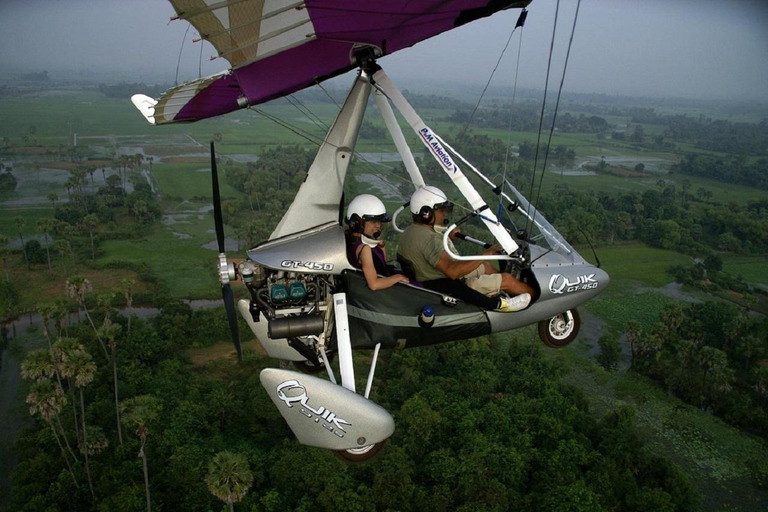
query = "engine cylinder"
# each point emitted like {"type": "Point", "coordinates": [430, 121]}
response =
{"type": "Point", "coordinates": [293, 326]}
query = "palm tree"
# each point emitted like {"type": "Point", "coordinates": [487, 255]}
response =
{"type": "Point", "coordinates": [138, 412]}
{"type": "Point", "coordinates": [4, 252]}
{"type": "Point", "coordinates": [90, 222]}
{"type": "Point", "coordinates": [80, 364]}
{"type": "Point", "coordinates": [45, 226]}
{"type": "Point", "coordinates": [229, 477]}
{"type": "Point", "coordinates": [62, 248]}
{"type": "Point", "coordinates": [97, 441]}
{"type": "Point", "coordinates": [53, 197]}
{"type": "Point", "coordinates": [46, 312]}
{"type": "Point", "coordinates": [20, 223]}
{"type": "Point", "coordinates": [128, 293]}
{"type": "Point", "coordinates": [76, 287]}
{"type": "Point", "coordinates": [91, 170]}
{"type": "Point", "coordinates": [40, 366]}
{"type": "Point", "coordinates": [110, 332]}
{"type": "Point", "coordinates": [45, 400]}
{"type": "Point", "coordinates": [60, 316]}
{"type": "Point", "coordinates": [61, 350]}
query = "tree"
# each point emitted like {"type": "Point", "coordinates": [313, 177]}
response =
{"type": "Point", "coordinates": [53, 197]}
{"type": "Point", "coordinates": [229, 477]}
{"type": "Point", "coordinates": [713, 262]}
{"type": "Point", "coordinates": [38, 365]}
{"type": "Point", "coordinates": [41, 366]}
{"type": "Point", "coordinates": [46, 400]}
{"type": "Point", "coordinates": [90, 222]}
{"type": "Point", "coordinates": [4, 252]}
{"type": "Point", "coordinates": [62, 348]}
{"type": "Point", "coordinates": [20, 223]}
{"type": "Point", "coordinates": [62, 248]}
{"type": "Point", "coordinates": [76, 287]}
{"type": "Point", "coordinates": [610, 350]}
{"type": "Point", "coordinates": [110, 332]}
{"type": "Point", "coordinates": [128, 285]}
{"type": "Point", "coordinates": [686, 185]}
{"type": "Point", "coordinates": [138, 412]}
{"type": "Point", "coordinates": [80, 365]}
{"type": "Point", "coordinates": [45, 226]}
{"type": "Point", "coordinates": [633, 331]}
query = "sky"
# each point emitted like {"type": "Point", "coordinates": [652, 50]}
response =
{"type": "Point", "coordinates": [700, 49]}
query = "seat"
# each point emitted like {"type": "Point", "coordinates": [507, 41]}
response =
{"type": "Point", "coordinates": [406, 267]}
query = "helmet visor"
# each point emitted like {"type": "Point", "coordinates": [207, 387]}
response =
{"type": "Point", "coordinates": [446, 205]}
{"type": "Point", "coordinates": [382, 217]}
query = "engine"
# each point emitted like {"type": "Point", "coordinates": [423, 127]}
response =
{"type": "Point", "coordinates": [292, 302]}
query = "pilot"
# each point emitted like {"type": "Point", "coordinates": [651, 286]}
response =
{"type": "Point", "coordinates": [421, 250]}
{"type": "Point", "coordinates": [365, 249]}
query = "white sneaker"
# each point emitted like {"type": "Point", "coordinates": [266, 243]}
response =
{"type": "Point", "coordinates": [512, 304]}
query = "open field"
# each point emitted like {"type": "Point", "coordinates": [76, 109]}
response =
{"type": "Point", "coordinates": [754, 269]}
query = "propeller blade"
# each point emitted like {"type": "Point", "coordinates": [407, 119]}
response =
{"type": "Point", "coordinates": [217, 219]}
{"type": "Point", "coordinates": [226, 289]}
{"type": "Point", "coordinates": [229, 305]}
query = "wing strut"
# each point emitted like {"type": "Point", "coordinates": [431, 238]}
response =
{"type": "Point", "coordinates": [437, 147]}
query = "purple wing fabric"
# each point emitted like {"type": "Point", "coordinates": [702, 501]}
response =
{"type": "Point", "coordinates": [279, 47]}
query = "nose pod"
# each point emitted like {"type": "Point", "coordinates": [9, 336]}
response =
{"type": "Point", "coordinates": [324, 414]}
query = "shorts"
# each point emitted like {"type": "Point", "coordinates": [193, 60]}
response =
{"type": "Point", "coordinates": [487, 284]}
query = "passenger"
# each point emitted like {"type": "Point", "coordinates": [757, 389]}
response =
{"type": "Point", "coordinates": [365, 251]}
{"type": "Point", "coordinates": [421, 249]}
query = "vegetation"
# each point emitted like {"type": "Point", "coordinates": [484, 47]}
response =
{"type": "Point", "coordinates": [710, 355]}
{"type": "Point", "coordinates": [512, 436]}
{"type": "Point", "coordinates": [125, 421]}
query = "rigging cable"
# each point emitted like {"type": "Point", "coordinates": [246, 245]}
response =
{"type": "Point", "coordinates": [317, 82]}
{"type": "Point", "coordinates": [178, 62]}
{"type": "Point", "coordinates": [303, 109]}
{"type": "Point", "coordinates": [317, 141]}
{"type": "Point", "coordinates": [543, 106]}
{"type": "Point", "coordinates": [520, 23]}
{"type": "Point", "coordinates": [511, 116]}
{"type": "Point", "coordinates": [557, 104]}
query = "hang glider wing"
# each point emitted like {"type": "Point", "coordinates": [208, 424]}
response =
{"type": "Point", "coordinates": [277, 47]}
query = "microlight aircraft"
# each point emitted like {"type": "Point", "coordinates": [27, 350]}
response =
{"type": "Point", "coordinates": [307, 303]}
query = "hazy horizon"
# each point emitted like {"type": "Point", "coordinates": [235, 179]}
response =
{"type": "Point", "coordinates": [683, 49]}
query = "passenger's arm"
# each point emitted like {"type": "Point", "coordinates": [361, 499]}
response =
{"type": "Point", "coordinates": [369, 271]}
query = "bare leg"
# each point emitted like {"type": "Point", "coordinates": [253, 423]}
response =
{"type": "Point", "coordinates": [513, 286]}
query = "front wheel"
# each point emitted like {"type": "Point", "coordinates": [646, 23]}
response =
{"type": "Point", "coordinates": [560, 330]}
{"type": "Point", "coordinates": [362, 454]}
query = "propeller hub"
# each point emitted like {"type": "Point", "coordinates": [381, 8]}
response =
{"type": "Point", "coordinates": [226, 270]}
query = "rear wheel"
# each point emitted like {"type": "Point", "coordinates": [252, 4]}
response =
{"type": "Point", "coordinates": [560, 330]}
{"type": "Point", "coordinates": [362, 454]}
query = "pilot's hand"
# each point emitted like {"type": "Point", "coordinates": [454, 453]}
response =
{"type": "Point", "coordinates": [494, 249]}
{"type": "Point", "coordinates": [454, 234]}
{"type": "Point", "coordinates": [404, 279]}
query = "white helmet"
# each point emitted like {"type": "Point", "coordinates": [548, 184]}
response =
{"type": "Point", "coordinates": [365, 207]}
{"type": "Point", "coordinates": [424, 202]}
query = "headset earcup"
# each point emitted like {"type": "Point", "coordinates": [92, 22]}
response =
{"type": "Point", "coordinates": [426, 214]}
{"type": "Point", "coordinates": [355, 223]}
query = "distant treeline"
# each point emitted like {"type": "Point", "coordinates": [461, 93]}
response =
{"type": "Point", "coordinates": [715, 135]}
{"type": "Point", "coordinates": [126, 90]}
{"type": "Point", "coordinates": [727, 170]}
